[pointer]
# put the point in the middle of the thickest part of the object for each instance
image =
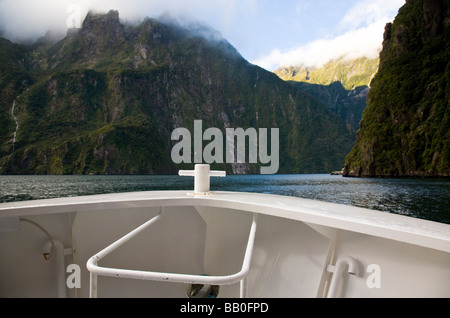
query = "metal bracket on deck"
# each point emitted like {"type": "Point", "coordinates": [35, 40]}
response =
{"type": "Point", "coordinates": [202, 174]}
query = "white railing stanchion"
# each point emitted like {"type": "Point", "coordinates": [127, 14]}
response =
{"type": "Point", "coordinates": [95, 270]}
{"type": "Point", "coordinates": [92, 262]}
{"type": "Point", "coordinates": [93, 285]}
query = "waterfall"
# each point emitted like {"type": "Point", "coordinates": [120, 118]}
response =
{"type": "Point", "coordinates": [17, 124]}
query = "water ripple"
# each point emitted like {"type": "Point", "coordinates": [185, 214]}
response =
{"type": "Point", "coordinates": [420, 198]}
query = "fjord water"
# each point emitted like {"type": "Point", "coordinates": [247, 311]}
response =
{"type": "Point", "coordinates": [421, 198]}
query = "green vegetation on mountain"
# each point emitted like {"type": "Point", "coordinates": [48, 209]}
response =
{"type": "Point", "coordinates": [340, 85]}
{"type": "Point", "coordinates": [351, 73]}
{"type": "Point", "coordinates": [106, 98]}
{"type": "Point", "coordinates": [347, 104]}
{"type": "Point", "coordinates": [405, 129]}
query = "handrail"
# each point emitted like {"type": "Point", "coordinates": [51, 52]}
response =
{"type": "Point", "coordinates": [96, 270]}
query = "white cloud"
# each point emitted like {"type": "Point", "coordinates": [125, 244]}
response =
{"type": "Point", "coordinates": [240, 21]}
{"type": "Point", "coordinates": [361, 42]}
{"type": "Point", "coordinates": [367, 12]}
{"type": "Point", "coordinates": [361, 35]}
{"type": "Point", "coordinates": [24, 19]}
{"type": "Point", "coordinates": [21, 19]}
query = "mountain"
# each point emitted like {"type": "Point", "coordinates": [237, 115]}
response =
{"type": "Point", "coordinates": [347, 104]}
{"type": "Point", "coordinates": [351, 73]}
{"type": "Point", "coordinates": [341, 85]}
{"type": "Point", "coordinates": [107, 97]}
{"type": "Point", "coordinates": [405, 126]}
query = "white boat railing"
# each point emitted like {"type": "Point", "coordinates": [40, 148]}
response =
{"type": "Point", "coordinates": [95, 270]}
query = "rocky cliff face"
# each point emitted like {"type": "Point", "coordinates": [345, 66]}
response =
{"type": "Point", "coordinates": [341, 85]}
{"type": "Point", "coordinates": [106, 99]}
{"type": "Point", "coordinates": [347, 104]}
{"type": "Point", "coordinates": [405, 126]}
{"type": "Point", "coordinates": [351, 73]}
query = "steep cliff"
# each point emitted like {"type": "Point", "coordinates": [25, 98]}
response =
{"type": "Point", "coordinates": [340, 85]}
{"type": "Point", "coordinates": [405, 129]}
{"type": "Point", "coordinates": [347, 104]}
{"type": "Point", "coordinates": [351, 73]}
{"type": "Point", "coordinates": [106, 98]}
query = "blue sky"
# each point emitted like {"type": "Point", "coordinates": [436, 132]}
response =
{"type": "Point", "coordinates": [266, 32]}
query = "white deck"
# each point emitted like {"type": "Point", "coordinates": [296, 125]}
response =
{"type": "Point", "coordinates": [296, 241]}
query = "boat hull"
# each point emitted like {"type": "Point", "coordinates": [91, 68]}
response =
{"type": "Point", "coordinates": [301, 249]}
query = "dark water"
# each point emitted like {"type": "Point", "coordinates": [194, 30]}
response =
{"type": "Point", "coordinates": [421, 198]}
